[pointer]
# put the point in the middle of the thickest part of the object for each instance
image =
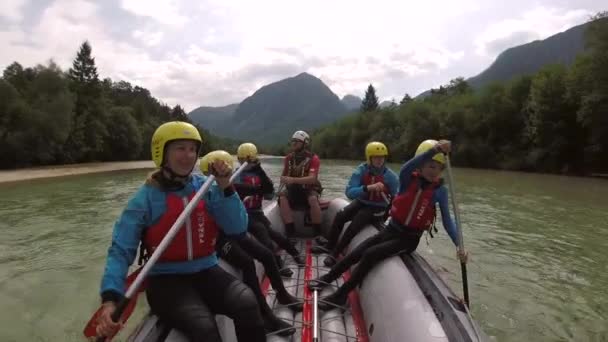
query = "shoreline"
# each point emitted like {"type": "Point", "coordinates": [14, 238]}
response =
{"type": "Point", "coordinates": [52, 171]}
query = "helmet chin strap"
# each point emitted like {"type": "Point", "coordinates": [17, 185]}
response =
{"type": "Point", "coordinates": [173, 180]}
{"type": "Point", "coordinates": [376, 170]}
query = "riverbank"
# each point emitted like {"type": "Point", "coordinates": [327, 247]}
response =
{"type": "Point", "coordinates": [19, 175]}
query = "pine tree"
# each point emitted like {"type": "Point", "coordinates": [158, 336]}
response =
{"type": "Point", "coordinates": [83, 70]}
{"type": "Point", "coordinates": [370, 102]}
{"type": "Point", "coordinates": [178, 113]}
{"type": "Point", "coordinates": [88, 126]}
{"type": "Point", "coordinates": [406, 99]}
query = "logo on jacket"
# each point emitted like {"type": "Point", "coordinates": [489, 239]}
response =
{"type": "Point", "coordinates": [200, 220]}
{"type": "Point", "coordinates": [423, 205]}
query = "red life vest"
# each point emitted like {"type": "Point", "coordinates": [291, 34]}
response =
{"type": "Point", "coordinates": [414, 208]}
{"type": "Point", "coordinates": [300, 169]}
{"type": "Point", "coordinates": [252, 201]}
{"type": "Point", "coordinates": [195, 240]}
{"type": "Point", "coordinates": [369, 179]}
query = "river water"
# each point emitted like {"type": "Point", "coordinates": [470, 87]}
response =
{"type": "Point", "coordinates": [538, 246]}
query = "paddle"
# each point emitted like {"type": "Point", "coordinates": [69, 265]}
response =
{"type": "Point", "coordinates": [238, 171]}
{"type": "Point", "coordinates": [126, 305]}
{"type": "Point", "coordinates": [281, 186]}
{"type": "Point", "coordinates": [463, 266]}
{"type": "Point", "coordinates": [385, 198]}
{"type": "Point", "coordinates": [90, 330]}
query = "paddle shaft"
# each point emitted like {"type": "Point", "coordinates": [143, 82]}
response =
{"type": "Point", "coordinates": [179, 223]}
{"type": "Point", "coordinates": [463, 266]}
{"type": "Point", "coordinates": [238, 171]}
{"type": "Point", "coordinates": [385, 198]}
{"type": "Point", "coordinates": [315, 317]}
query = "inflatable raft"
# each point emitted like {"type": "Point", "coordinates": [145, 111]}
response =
{"type": "Point", "coordinates": [401, 299]}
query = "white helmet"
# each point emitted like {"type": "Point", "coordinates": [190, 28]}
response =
{"type": "Point", "coordinates": [302, 136]}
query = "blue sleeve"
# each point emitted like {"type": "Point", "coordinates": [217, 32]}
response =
{"type": "Point", "coordinates": [392, 181]}
{"type": "Point", "coordinates": [354, 188]}
{"type": "Point", "coordinates": [125, 241]}
{"type": "Point", "coordinates": [405, 174]}
{"type": "Point", "coordinates": [441, 196]}
{"type": "Point", "coordinates": [228, 211]}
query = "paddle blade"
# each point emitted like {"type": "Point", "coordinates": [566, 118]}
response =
{"type": "Point", "coordinates": [90, 330]}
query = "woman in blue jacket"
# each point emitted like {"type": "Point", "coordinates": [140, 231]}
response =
{"type": "Point", "coordinates": [186, 287]}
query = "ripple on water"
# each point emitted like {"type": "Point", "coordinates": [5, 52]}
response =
{"type": "Point", "coordinates": [537, 270]}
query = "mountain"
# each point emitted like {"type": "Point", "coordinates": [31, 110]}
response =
{"type": "Point", "coordinates": [351, 102]}
{"type": "Point", "coordinates": [275, 111]}
{"type": "Point", "coordinates": [531, 57]}
{"type": "Point", "coordinates": [213, 119]}
{"type": "Point", "coordinates": [385, 104]}
{"type": "Point", "coordinates": [561, 48]}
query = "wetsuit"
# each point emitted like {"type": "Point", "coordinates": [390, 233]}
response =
{"type": "Point", "coordinates": [186, 287]}
{"type": "Point", "coordinates": [412, 212]}
{"type": "Point", "coordinates": [366, 207]}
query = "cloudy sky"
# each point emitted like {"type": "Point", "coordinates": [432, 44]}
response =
{"type": "Point", "coordinates": [217, 52]}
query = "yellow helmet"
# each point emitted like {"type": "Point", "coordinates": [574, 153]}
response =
{"type": "Point", "coordinates": [247, 151]}
{"type": "Point", "coordinates": [214, 156]}
{"type": "Point", "coordinates": [204, 164]}
{"type": "Point", "coordinates": [169, 131]}
{"type": "Point", "coordinates": [375, 149]}
{"type": "Point", "coordinates": [427, 145]}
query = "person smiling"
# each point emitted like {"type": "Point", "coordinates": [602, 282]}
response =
{"type": "Point", "coordinates": [186, 287]}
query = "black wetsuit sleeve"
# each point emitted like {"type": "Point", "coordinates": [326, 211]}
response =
{"type": "Point", "coordinates": [247, 189]}
{"type": "Point", "coordinates": [267, 184]}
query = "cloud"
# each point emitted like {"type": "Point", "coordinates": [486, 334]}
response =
{"type": "Point", "coordinates": [216, 52]}
{"type": "Point", "coordinates": [11, 10]}
{"type": "Point", "coordinates": [256, 71]}
{"type": "Point", "coordinates": [244, 45]}
{"type": "Point", "coordinates": [147, 37]}
{"type": "Point", "coordinates": [538, 23]}
{"type": "Point", "coordinates": [514, 39]}
{"type": "Point", "coordinates": [163, 11]}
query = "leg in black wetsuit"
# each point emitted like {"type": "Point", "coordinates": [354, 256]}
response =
{"type": "Point", "coordinates": [259, 226]}
{"type": "Point", "coordinates": [259, 252]}
{"type": "Point", "coordinates": [370, 252]}
{"type": "Point", "coordinates": [258, 230]}
{"type": "Point", "coordinates": [237, 257]}
{"type": "Point", "coordinates": [362, 218]}
{"type": "Point", "coordinates": [344, 215]}
{"type": "Point", "coordinates": [189, 302]}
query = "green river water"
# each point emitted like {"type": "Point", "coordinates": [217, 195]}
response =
{"type": "Point", "coordinates": [538, 247]}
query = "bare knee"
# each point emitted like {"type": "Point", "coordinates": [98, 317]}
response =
{"type": "Point", "coordinates": [313, 201]}
{"type": "Point", "coordinates": [284, 201]}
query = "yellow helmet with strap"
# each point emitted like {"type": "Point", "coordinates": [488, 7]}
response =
{"type": "Point", "coordinates": [204, 164]}
{"type": "Point", "coordinates": [375, 149]}
{"type": "Point", "coordinates": [214, 156]}
{"type": "Point", "coordinates": [247, 151]}
{"type": "Point", "coordinates": [169, 131]}
{"type": "Point", "coordinates": [427, 145]}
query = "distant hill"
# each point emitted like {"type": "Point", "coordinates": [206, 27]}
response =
{"type": "Point", "coordinates": [213, 118]}
{"type": "Point", "coordinates": [351, 102]}
{"type": "Point", "coordinates": [273, 112]}
{"type": "Point", "coordinates": [531, 57]}
{"type": "Point", "coordinates": [385, 104]}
